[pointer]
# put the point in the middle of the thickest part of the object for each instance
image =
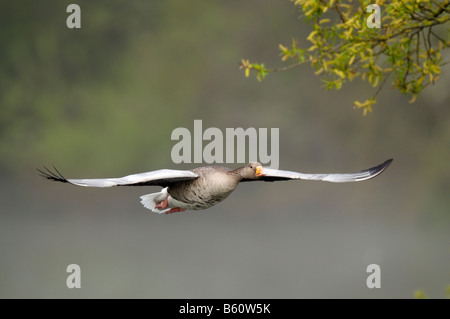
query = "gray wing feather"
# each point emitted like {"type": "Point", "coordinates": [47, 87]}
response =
{"type": "Point", "coordinates": [160, 177]}
{"type": "Point", "coordinates": [274, 175]}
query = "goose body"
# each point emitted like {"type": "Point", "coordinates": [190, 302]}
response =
{"type": "Point", "coordinates": [204, 187]}
{"type": "Point", "coordinates": [213, 185]}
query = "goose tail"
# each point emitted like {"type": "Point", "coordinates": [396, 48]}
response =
{"type": "Point", "coordinates": [150, 201]}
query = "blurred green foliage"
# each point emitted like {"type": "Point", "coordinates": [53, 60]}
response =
{"type": "Point", "coordinates": [86, 95]}
{"type": "Point", "coordinates": [406, 48]}
{"type": "Point", "coordinates": [420, 294]}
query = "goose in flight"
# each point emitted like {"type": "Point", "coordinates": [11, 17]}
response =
{"type": "Point", "coordinates": [204, 187]}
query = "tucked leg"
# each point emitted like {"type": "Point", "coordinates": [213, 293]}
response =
{"type": "Point", "coordinates": [163, 204]}
{"type": "Point", "coordinates": [175, 210]}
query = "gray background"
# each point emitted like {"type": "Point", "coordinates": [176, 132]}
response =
{"type": "Point", "coordinates": [102, 101]}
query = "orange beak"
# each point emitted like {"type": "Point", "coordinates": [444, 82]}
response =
{"type": "Point", "coordinates": [259, 171]}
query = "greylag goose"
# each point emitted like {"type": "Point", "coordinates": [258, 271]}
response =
{"type": "Point", "coordinates": [204, 187]}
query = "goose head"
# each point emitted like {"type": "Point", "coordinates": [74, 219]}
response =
{"type": "Point", "coordinates": [253, 170]}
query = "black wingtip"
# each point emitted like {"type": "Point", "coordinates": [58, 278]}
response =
{"type": "Point", "coordinates": [387, 163]}
{"type": "Point", "coordinates": [377, 170]}
{"type": "Point", "coordinates": [53, 176]}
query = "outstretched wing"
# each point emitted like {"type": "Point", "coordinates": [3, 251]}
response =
{"type": "Point", "coordinates": [162, 177]}
{"type": "Point", "coordinates": [277, 175]}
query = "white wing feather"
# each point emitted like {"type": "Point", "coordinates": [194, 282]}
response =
{"type": "Point", "coordinates": [162, 174]}
{"type": "Point", "coordinates": [148, 178]}
{"type": "Point", "coordinates": [334, 178]}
